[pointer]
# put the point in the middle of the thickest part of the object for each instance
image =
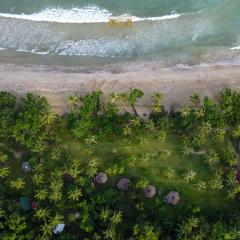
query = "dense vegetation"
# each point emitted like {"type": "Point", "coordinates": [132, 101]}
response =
{"type": "Point", "coordinates": [193, 151]}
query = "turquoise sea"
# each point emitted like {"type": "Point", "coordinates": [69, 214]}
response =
{"type": "Point", "coordinates": [75, 32]}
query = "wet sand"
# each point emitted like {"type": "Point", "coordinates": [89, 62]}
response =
{"type": "Point", "coordinates": [176, 85]}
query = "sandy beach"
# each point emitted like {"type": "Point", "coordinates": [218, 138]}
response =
{"type": "Point", "coordinates": [176, 85]}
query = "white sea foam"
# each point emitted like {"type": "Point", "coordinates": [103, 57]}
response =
{"type": "Point", "coordinates": [235, 48]}
{"type": "Point", "coordinates": [78, 15]}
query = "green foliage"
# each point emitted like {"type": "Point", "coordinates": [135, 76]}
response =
{"type": "Point", "coordinates": [95, 138]}
{"type": "Point", "coordinates": [7, 106]}
{"type": "Point", "coordinates": [32, 122]}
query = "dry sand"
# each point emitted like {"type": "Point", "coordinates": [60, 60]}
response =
{"type": "Point", "coordinates": [176, 85]}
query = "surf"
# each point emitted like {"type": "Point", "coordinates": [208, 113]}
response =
{"type": "Point", "coordinates": [79, 15]}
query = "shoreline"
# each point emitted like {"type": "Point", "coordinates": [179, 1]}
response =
{"type": "Point", "coordinates": [176, 85]}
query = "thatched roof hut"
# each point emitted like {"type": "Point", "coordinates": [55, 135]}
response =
{"type": "Point", "coordinates": [172, 198]}
{"type": "Point", "coordinates": [101, 178]}
{"type": "Point", "coordinates": [150, 191]}
{"type": "Point", "coordinates": [124, 184]}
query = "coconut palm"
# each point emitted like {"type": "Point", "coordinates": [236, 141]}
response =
{"type": "Point", "coordinates": [91, 140]}
{"type": "Point", "coordinates": [201, 185]}
{"type": "Point", "coordinates": [149, 124]}
{"type": "Point", "coordinates": [170, 172]}
{"type": "Point", "coordinates": [17, 184]}
{"type": "Point", "coordinates": [75, 194]}
{"type": "Point", "coordinates": [92, 167]}
{"type": "Point", "coordinates": [236, 132]}
{"type": "Point", "coordinates": [3, 157]}
{"type": "Point", "coordinates": [110, 233]}
{"type": "Point", "coordinates": [41, 194]}
{"type": "Point", "coordinates": [185, 111]}
{"type": "Point", "coordinates": [73, 102]}
{"type": "Point", "coordinates": [4, 172]}
{"type": "Point", "coordinates": [117, 217]}
{"type": "Point", "coordinates": [105, 214]}
{"type": "Point", "coordinates": [219, 135]}
{"type": "Point", "coordinates": [162, 136]}
{"type": "Point", "coordinates": [42, 213]}
{"type": "Point", "coordinates": [195, 100]}
{"type": "Point", "coordinates": [2, 213]}
{"type": "Point", "coordinates": [55, 195]}
{"type": "Point", "coordinates": [217, 183]}
{"type": "Point", "coordinates": [157, 103]}
{"type": "Point", "coordinates": [229, 155]}
{"type": "Point", "coordinates": [38, 179]}
{"type": "Point", "coordinates": [189, 176]}
{"type": "Point", "coordinates": [212, 157]}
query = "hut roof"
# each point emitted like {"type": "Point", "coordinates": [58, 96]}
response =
{"type": "Point", "coordinates": [59, 228]}
{"type": "Point", "coordinates": [172, 198]}
{"type": "Point", "coordinates": [25, 203]}
{"type": "Point", "coordinates": [124, 184]}
{"type": "Point", "coordinates": [101, 178]}
{"type": "Point", "coordinates": [150, 191]}
{"type": "Point", "coordinates": [26, 167]}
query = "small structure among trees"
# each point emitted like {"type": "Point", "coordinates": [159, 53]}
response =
{"type": "Point", "coordinates": [124, 184]}
{"type": "Point", "coordinates": [150, 191]}
{"type": "Point", "coordinates": [101, 178]}
{"type": "Point", "coordinates": [172, 198]}
{"type": "Point", "coordinates": [26, 167]}
{"type": "Point", "coordinates": [25, 203]}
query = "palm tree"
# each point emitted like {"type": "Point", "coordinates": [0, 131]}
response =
{"type": "Point", "coordinates": [170, 172]}
{"type": "Point", "coordinates": [38, 179]}
{"type": "Point", "coordinates": [4, 172]}
{"type": "Point", "coordinates": [219, 135]}
{"type": "Point", "coordinates": [157, 102]}
{"type": "Point", "coordinates": [73, 102]}
{"type": "Point", "coordinates": [91, 140]}
{"type": "Point", "coordinates": [117, 217]}
{"type": "Point", "coordinates": [195, 100]}
{"type": "Point", "coordinates": [42, 214]}
{"type": "Point", "coordinates": [3, 157]}
{"type": "Point", "coordinates": [149, 124]}
{"type": "Point", "coordinates": [17, 184]}
{"type": "Point", "coordinates": [162, 136]}
{"type": "Point", "coordinates": [56, 195]}
{"type": "Point", "coordinates": [75, 194]}
{"type": "Point", "coordinates": [185, 111]}
{"type": "Point", "coordinates": [2, 213]}
{"type": "Point", "coordinates": [110, 233]}
{"type": "Point", "coordinates": [236, 132]}
{"type": "Point", "coordinates": [41, 194]}
{"type": "Point", "coordinates": [201, 185]}
{"type": "Point", "coordinates": [189, 176]}
{"type": "Point", "coordinates": [105, 214]}
{"type": "Point", "coordinates": [212, 157]}
{"type": "Point", "coordinates": [216, 183]}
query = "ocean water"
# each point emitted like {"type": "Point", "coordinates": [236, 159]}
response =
{"type": "Point", "coordinates": [76, 32]}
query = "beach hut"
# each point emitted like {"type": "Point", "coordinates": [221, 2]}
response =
{"type": "Point", "coordinates": [59, 228]}
{"type": "Point", "coordinates": [172, 198]}
{"type": "Point", "coordinates": [124, 184]}
{"type": "Point", "coordinates": [101, 178]}
{"type": "Point", "coordinates": [26, 167]}
{"type": "Point", "coordinates": [25, 203]}
{"type": "Point", "coordinates": [150, 191]}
